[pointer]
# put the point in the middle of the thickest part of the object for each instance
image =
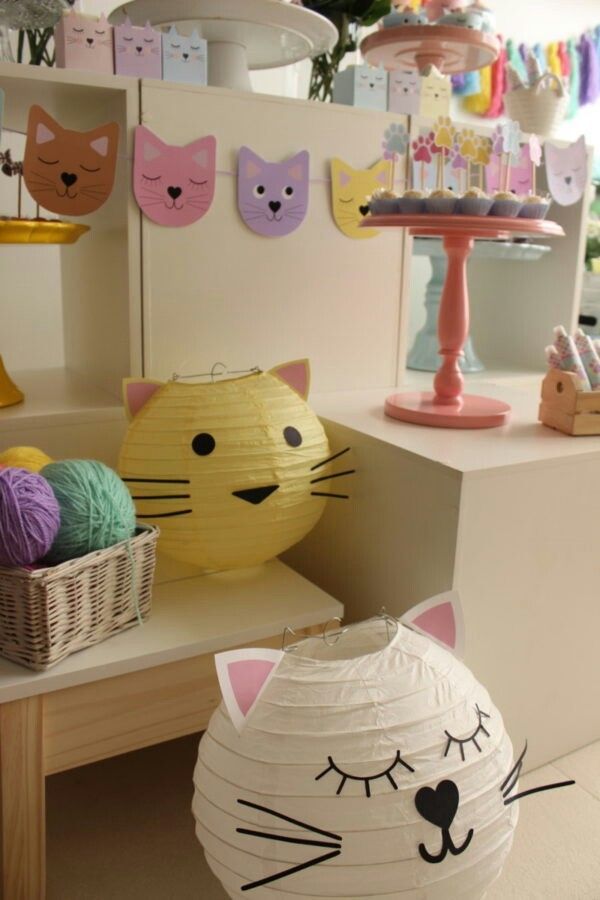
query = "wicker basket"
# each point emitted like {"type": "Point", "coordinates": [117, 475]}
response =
{"type": "Point", "coordinates": [47, 614]}
{"type": "Point", "coordinates": [540, 108]}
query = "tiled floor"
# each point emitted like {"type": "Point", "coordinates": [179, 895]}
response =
{"type": "Point", "coordinates": [122, 830]}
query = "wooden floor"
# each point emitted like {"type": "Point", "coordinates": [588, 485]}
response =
{"type": "Point", "coordinates": [122, 829]}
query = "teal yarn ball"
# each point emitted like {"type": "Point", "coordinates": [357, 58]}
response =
{"type": "Point", "coordinates": [96, 509]}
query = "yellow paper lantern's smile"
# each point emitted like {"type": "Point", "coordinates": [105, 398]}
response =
{"type": "Point", "coordinates": [226, 469]}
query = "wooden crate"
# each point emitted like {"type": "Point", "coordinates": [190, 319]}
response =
{"type": "Point", "coordinates": [566, 407]}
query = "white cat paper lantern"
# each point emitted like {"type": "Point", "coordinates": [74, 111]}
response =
{"type": "Point", "coordinates": [369, 765]}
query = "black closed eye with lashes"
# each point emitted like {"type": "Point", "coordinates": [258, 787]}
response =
{"type": "Point", "coordinates": [472, 739]}
{"type": "Point", "coordinates": [366, 779]}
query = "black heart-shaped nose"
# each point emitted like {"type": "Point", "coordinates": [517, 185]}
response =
{"type": "Point", "coordinates": [568, 179]}
{"type": "Point", "coordinates": [174, 192]}
{"type": "Point", "coordinates": [274, 205]}
{"type": "Point", "coordinates": [139, 49]}
{"type": "Point", "coordinates": [438, 805]}
{"type": "Point", "coordinates": [186, 55]}
{"type": "Point", "coordinates": [68, 178]}
{"type": "Point", "coordinates": [90, 41]}
{"type": "Point", "coordinates": [363, 210]}
{"type": "Point", "coordinates": [256, 495]}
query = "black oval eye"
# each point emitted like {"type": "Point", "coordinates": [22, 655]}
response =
{"type": "Point", "coordinates": [203, 444]}
{"type": "Point", "coordinates": [292, 436]}
{"type": "Point", "coordinates": [259, 190]}
{"type": "Point", "coordinates": [288, 191]}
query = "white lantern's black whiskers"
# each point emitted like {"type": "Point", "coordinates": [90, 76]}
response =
{"type": "Point", "coordinates": [157, 480]}
{"type": "Point", "coordinates": [337, 496]}
{"type": "Point", "coordinates": [366, 779]}
{"type": "Point", "coordinates": [472, 739]}
{"type": "Point", "coordinates": [284, 818]}
{"type": "Point", "coordinates": [292, 871]}
{"type": "Point", "coordinates": [335, 475]}
{"type": "Point", "coordinates": [330, 459]}
{"type": "Point", "coordinates": [510, 781]}
{"type": "Point", "coordinates": [537, 790]}
{"type": "Point", "coordinates": [305, 842]}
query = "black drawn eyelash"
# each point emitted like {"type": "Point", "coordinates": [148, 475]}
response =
{"type": "Point", "coordinates": [79, 30]}
{"type": "Point", "coordinates": [127, 39]}
{"type": "Point", "coordinates": [351, 200]}
{"type": "Point", "coordinates": [147, 178]}
{"type": "Point", "coordinates": [198, 183]}
{"type": "Point", "coordinates": [366, 779]}
{"type": "Point", "coordinates": [147, 40]}
{"type": "Point", "coordinates": [472, 738]}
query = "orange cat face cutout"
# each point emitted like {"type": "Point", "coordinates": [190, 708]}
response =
{"type": "Point", "coordinates": [69, 173]}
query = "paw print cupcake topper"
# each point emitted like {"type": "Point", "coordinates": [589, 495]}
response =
{"type": "Point", "coordinates": [535, 155]}
{"type": "Point", "coordinates": [422, 153]}
{"type": "Point", "coordinates": [483, 153]}
{"type": "Point", "coordinates": [511, 147]}
{"type": "Point", "coordinates": [395, 144]}
{"type": "Point", "coordinates": [467, 145]}
{"type": "Point", "coordinates": [444, 133]}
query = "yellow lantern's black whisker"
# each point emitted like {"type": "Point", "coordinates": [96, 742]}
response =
{"type": "Point", "coordinates": [162, 497]}
{"type": "Point", "coordinates": [167, 515]}
{"type": "Point", "coordinates": [330, 459]}
{"type": "Point", "coordinates": [335, 475]}
{"type": "Point", "coordinates": [158, 480]}
{"type": "Point", "coordinates": [323, 494]}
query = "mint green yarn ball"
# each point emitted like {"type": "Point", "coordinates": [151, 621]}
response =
{"type": "Point", "coordinates": [96, 509]}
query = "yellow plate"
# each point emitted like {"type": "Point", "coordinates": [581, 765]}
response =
{"type": "Point", "coordinates": [31, 231]}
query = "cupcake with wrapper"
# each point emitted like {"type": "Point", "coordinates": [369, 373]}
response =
{"type": "Point", "coordinates": [412, 202]}
{"type": "Point", "coordinates": [383, 202]}
{"type": "Point", "coordinates": [441, 202]}
{"type": "Point", "coordinates": [535, 207]}
{"type": "Point", "coordinates": [505, 204]}
{"type": "Point", "coordinates": [474, 202]}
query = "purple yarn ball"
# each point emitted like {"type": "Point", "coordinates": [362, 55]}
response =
{"type": "Point", "coordinates": [29, 517]}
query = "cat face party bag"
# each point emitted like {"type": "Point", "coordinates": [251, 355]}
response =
{"type": "Point", "coordinates": [364, 764]}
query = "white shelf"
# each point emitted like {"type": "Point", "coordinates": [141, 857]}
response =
{"type": "Point", "coordinates": [522, 441]}
{"type": "Point", "coordinates": [56, 397]}
{"type": "Point", "coordinates": [190, 617]}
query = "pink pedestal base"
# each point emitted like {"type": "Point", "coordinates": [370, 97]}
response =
{"type": "Point", "coordinates": [421, 408]}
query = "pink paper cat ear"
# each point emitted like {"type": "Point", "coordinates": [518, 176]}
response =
{"type": "Point", "coordinates": [440, 618]}
{"type": "Point", "coordinates": [243, 677]}
{"type": "Point", "coordinates": [147, 145]}
{"type": "Point", "coordinates": [136, 393]}
{"type": "Point", "coordinates": [295, 374]}
{"type": "Point", "coordinates": [43, 134]}
{"type": "Point", "coordinates": [204, 151]}
{"type": "Point", "coordinates": [249, 163]}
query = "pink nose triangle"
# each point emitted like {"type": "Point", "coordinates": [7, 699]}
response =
{"type": "Point", "coordinates": [439, 622]}
{"type": "Point", "coordinates": [247, 678]}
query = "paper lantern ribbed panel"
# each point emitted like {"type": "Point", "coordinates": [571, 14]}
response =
{"type": "Point", "coordinates": [346, 777]}
{"type": "Point", "coordinates": [225, 468]}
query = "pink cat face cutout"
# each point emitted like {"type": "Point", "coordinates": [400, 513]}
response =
{"type": "Point", "coordinates": [138, 51]}
{"type": "Point", "coordinates": [520, 175]}
{"type": "Point", "coordinates": [173, 186]}
{"type": "Point", "coordinates": [566, 171]}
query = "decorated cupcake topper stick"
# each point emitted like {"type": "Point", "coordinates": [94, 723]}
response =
{"type": "Point", "coordinates": [422, 154]}
{"type": "Point", "coordinates": [444, 140]}
{"type": "Point", "coordinates": [482, 156]}
{"type": "Point", "coordinates": [468, 147]}
{"type": "Point", "coordinates": [511, 146]}
{"type": "Point", "coordinates": [535, 155]}
{"type": "Point", "coordinates": [395, 144]}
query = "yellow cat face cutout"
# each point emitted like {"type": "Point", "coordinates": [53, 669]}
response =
{"type": "Point", "coordinates": [350, 192]}
{"type": "Point", "coordinates": [230, 471]}
{"type": "Point", "coordinates": [436, 93]}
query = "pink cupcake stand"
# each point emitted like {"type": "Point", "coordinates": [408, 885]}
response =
{"type": "Point", "coordinates": [446, 406]}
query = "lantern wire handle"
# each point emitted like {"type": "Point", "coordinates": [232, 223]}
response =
{"type": "Point", "coordinates": [287, 631]}
{"type": "Point", "coordinates": [217, 371]}
{"type": "Point", "coordinates": [333, 634]}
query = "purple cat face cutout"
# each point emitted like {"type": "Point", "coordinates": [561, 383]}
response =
{"type": "Point", "coordinates": [272, 197]}
{"type": "Point", "coordinates": [138, 51]}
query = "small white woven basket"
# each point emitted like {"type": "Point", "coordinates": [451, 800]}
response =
{"type": "Point", "coordinates": [540, 108]}
{"type": "Point", "coordinates": [47, 614]}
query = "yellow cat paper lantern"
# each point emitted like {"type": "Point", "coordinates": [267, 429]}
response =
{"type": "Point", "coordinates": [350, 192]}
{"type": "Point", "coordinates": [233, 471]}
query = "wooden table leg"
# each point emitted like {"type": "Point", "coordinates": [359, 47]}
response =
{"type": "Point", "coordinates": [23, 843]}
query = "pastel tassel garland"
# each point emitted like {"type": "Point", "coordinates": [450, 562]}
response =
{"type": "Point", "coordinates": [574, 79]}
{"type": "Point", "coordinates": [540, 55]}
{"type": "Point", "coordinates": [565, 60]}
{"type": "Point", "coordinates": [514, 58]}
{"type": "Point", "coordinates": [554, 63]}
{"type": "Point", "coordinates": [589, 87]}
{"type": "Point", "coordinates": [479, 103]}
{"type": "Point", "coordinates": [499, 86]}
